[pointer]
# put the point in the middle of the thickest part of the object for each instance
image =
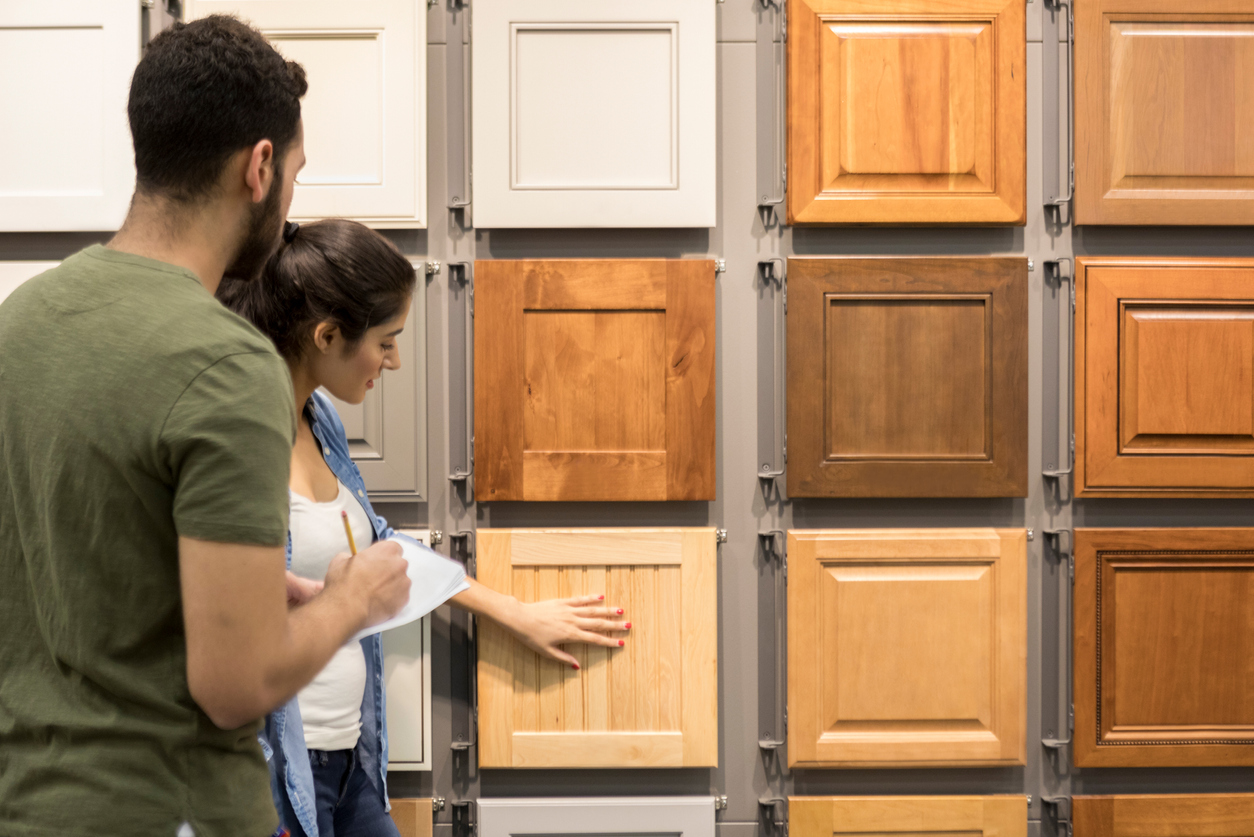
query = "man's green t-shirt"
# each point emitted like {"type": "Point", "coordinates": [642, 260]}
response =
{"type": "Point", "coordinates": [134, 409]}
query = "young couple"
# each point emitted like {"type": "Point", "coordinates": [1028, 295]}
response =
{"type": "Point", "coordinates": [150, 445]}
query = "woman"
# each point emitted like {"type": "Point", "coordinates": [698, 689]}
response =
{"type": "Point", "coordinates": [334, 298]}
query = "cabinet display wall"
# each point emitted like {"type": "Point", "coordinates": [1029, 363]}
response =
{"type": "Point", "coordinates": [1168, 815]}
{"type": "Point", "coordinates": [412, 817]}
{"type": "Point", "coordinates": [907, 816]}
{"type": "Point", "coordinates": [13, 274]}
{"type": "Point", "coordinates": [407, 687]}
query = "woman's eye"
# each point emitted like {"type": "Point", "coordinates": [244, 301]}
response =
{"type": "Point", "coordinates": [387, 347]}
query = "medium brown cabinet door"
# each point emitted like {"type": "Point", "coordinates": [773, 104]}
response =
{"type": "Point", "coordinates": [907, 377]}
{"type": "Point", "coordinates": [1164, 377]}
{"type": "Point", "coordinates": [907, 647]}
{"type": "Point", "coordinates": [1164, 647]}
{"type": "Point", "coordinates": [906, 111]}
{"type": "Point", "coordinates": [594, 380]}
{"type": "Point", "coordinates": [1168, 815]}
{"type": "Point", "coordinates": [651, 703]}
{"type": "Point", "coordinates": [1164, 112]}
{"type": "Point", "coordinates": [908, 816]}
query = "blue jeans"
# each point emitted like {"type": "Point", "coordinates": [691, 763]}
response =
{"type": "Point", "coordinates": [347, 801]}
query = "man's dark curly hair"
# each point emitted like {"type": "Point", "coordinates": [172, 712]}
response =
{"type": "Point", "coordinates": [203, 91]}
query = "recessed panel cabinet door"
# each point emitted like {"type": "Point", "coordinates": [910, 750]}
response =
{"type": "Point", "coordinates": [652, 702]}
{"type": "Point", "coordinates": [1168, 815]}
{"type": "Point", "coordinates": [1164, 647]}
{"type": "Point", "coordinates": [407, 685]}
{"type": "Point", "coordinates": [1164, 112]}
{"type": "Point", "coordinates": [907, 112]}
{"type": "Point", "coordinates": [907, 647]}
{"type": "Point", "coordinates": [412, 817]}
{"type": "Point", "coordinates": [1164, 377]}
{"type": "Point", "coordinates": [908, 816]}
{"type": "Point", "coordinates": [907, 377]}
{"type": "Point", "coordinates": [66, 161]}
{"type": "Point", "coordinates": [594, 380]}
{"type": "Point", "coordinates": [589, 816]}
{"type": "Point", "coordinates": [593, 113]}
{"type": "Point", "coordinates": [365, 114]}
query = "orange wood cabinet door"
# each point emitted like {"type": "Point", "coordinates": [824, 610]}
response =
{"type": "Point", "coordinates": [907, 647]}
{"type": "Point", "coordinates": [1164, 647]}
{"type": "Point", "coordinates": [1164, 101]}
{"type": "Point", "coordinates": [906, 112]}
{"type": "Point", "coordinates": [1164, 377]}
{"type": "Point", "coordinates": [1167, 815]}
{"type": "Point", "coordinates": [652, 702]}
{"type": "Point", "coordinates": [907, 377]}
{"type": "Point", "coordinates": [594, 380]}
{"type": "Point", "coordinates": [412, 817]}
{"type": "Point", "coordinates": [908, 816]}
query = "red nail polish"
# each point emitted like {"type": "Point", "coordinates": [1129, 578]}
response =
{"type": "Point", "coordinates": [575, 666]}
{"type": "Point", "coordinates": [621, 643]}
{"type": "Point", "coordinates": [601, 598]}
{"type": "Point", "coordinates": [620, 611]}
{"type": "Point", "coordinates": [627, 627]}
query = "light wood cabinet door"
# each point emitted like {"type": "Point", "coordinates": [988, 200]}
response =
{"type": "Point", "coordinates": [66, 161]}
{"type": "Point", "coordinates": [1164, 374]}
{"type": "Point", "coordinates": [1164, 112]}
{"type": "Point", "coordinates": [907, 112]}
{"type": "Point", "coordinates": [407, 688]}
{"type": "Point", "coordinates": [594, 380]}
{"type": "Point", "coordinates": [652, 702]}
{"type": "Point", "coordinates": [908, 816]}
{"type": "Point", "coordinates": [907, 647]}
{"type": "Point", "coordinates": [1167, 815]}
{"type": "Point", "coordinates": [365, 114]}
{"type": "Point", "coordinates": [413, 817]}
{"type": "Point", "coordinates": [907, 377]}
{"type": "Point", "coordinates": [1164, 647]}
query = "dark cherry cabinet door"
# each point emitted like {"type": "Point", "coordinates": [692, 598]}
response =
{"type": "Point", "coordinates": [1165, 815]}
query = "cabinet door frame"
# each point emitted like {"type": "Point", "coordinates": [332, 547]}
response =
{"type": "Point", "coordinates": [663, 816]}
{"type": "Point", "coordinates": [916, 816]}
{"type": "Point", "coordinates": [406, 658]}
{"type": "Point", "coordinates": [1178, 814]}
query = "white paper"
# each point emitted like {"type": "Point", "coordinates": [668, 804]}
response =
{"type": "Point", "coordinates": [433, 578]}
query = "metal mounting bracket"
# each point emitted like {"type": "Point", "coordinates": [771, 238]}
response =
{"type": "Point", "coordinates": [464, 821]}
{"type": "Point", "coordinates": [772, 281]}
{"type": "Point", "coordinates": [1060, 811]}
{"type": "Point", "coordinates": [1051, 444]}
{"type": "Point", "coordinates": [1062, 543]}
{"type": "Point", "coordinates": [772, 651]}
{"type": "Point", "coordinates": [771, 66]}
{"type": "Point", "coordinates": [461, 349]}
{"type": "Point", "coordinates": [458, 114]}
{"type": "Point", "coordinates": [1051, 105]}
{"type": "Point", "coordinates": [773, 806]}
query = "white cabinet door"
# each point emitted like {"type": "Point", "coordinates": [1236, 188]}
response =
{"type": "Point", "coordinates": [365, 113]}
{"type": "Point", "coordinates": [13, 274]}
{"type": "Point", "coordinates": [407, 684]}
{"type": "Point", "coordinates": [593, 113]}
{"type": "Point", "coordinates": [66, 161]}
{"type": "Point", "coordinates": [664, 816]}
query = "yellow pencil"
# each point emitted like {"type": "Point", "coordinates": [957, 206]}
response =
{"type": "Point", "coordinates": [348, 530]}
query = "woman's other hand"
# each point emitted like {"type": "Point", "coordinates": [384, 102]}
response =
{"type": "Point", "coordinates": [546, 625]}
{"type": "Point", "coordinates": [301, 590]}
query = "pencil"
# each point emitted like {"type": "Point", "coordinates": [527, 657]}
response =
{"type": "Point", "coordinates": [348, 530]}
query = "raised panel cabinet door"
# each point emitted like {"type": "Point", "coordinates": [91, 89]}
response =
{"type": "Point", "coordinates": [365, 114]}
{"type": "Point", "coordinates": [594, 380]}
{"type": "Point", "coordinates": [652, 702]}
{"type": "Point", "coordinates": [907, 112]}
{"type": "Point", "coordinates": [1164, 112]}
{"type": "Point", "coordinates": [908, 816]}
{"type": "Point", "coordinates": [407, 689]}
{"type": "Point", "coordinates": [13, 274]}
{"type": "Point", "coordinates": [412, 817]}
{"type": "Point", "coordinates": [1164, 647]}
{"type": "Point", "coordinates": [907, 377]}
{"type": "Point", "coordinates": [907, 647]}
{"type": "Point", "coordinates": [593, 113]}
{"type": "Point", "coordinates": [657, 816]}
{"type": "Point", "coordinates": [66, 161]}
{"type": "Point", "coordinates": [1166, 815]}
{"type": "Point", "coordinates": [1164, 377]}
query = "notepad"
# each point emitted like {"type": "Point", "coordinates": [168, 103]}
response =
{"type": "Point", "coordinates": [433, 578]}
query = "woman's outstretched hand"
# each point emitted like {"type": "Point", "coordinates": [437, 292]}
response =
{"type": "Point", "coordinates": [547, 625]}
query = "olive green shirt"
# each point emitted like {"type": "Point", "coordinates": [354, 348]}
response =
{"type": "Point", "coordinates": [134, 409]}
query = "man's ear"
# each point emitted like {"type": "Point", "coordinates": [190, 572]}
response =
{"type": "Point", "coordinates": [325, 336]}
{"type": "Point", "coordinates": [259, 175]}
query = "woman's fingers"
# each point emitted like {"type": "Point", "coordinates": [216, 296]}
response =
{"type": "Point", "coordinates": [600, 639]}
{"type": "Point", "coordinates": [553, 652]}
{"type": "Point", "coordinates": [603, 625]}
{"type": "Point", "coordinates": [582, 601]}
{"type": "Point", "coordinates": [598, 612]}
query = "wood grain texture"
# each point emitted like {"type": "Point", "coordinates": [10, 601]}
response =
{"type": "Point", "coordinates": [650, 703]}
{"type": "Point", "coordinates": [1164, 112]}
{"type": "Point", "coordinates": [1164, 647]}
{"type": "Point", "coordinates": [1164, 377]}
{"type": "Point", "coordinates": [908, 816]}
{"type": "Point", "coordinates": [413, 817]}
{"type": "Point", "coordinates": [594, 380]}
{"type": "Point", "coordinates": [907, 377]}
{"type": "Point", "coordinates": [907, 648]}
{"type": "Point", "coordinates": [1165, 815]}
{"type": "Point", "coordinates": [907, 112]}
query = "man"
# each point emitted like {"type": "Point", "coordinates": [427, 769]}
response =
{"type": "Point", "coordinates": [145, 440]}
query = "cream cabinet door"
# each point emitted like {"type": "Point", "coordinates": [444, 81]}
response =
{"type": "Point", "coordinates": [407, 687]}
{"type": "Point", "coordinates": [13, 274]}
{"type": "Point", "coordinates": [593, 113]}
{"type": "Point", "coordinates": [663, 816]}
{"type": "Point", "coordinates": [365, 113]}
{"type": "Point", "coordinates": [66, 161]}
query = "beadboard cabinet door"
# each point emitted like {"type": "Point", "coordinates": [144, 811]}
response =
{"type": "Point", "coordinates": [1164, 377]}
{"type": "Point", "coordinates": [365, 114]}
{"type": "Point", "coordinates": [908, 816]}
{"type": "Point", "coordinates": [1164, 111]}
{"type": "Point", "coordinates": [652, 702]}
{"type": "Point", "coordinates": [407, 686]}
{"type": "Point", "coordinates": [907, 377]}
{"type": "Point", "coordinates": [594, 380]}
{"type": "Point", "coordinates": [593, 113]}
{"type": "Point", "coordinates": [907, 647]}
{"type": "Point", "coordinates": [1164, 647]}
{"type": "Point", "coordinates": [907, 112]}
{"type": "Point", "coordinates": [1166, 815]}
{"type": "Point", "coordinates": [657, 816]}
{"type": "Point", "coordinates": [66, 161]}
{"type": "Point", "coordinates": [13, 274]}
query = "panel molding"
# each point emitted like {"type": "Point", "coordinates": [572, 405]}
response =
{"type": "Point", "coordinates": [908, 816]}
{"type": "Point", "coordinates": [1180, 815]}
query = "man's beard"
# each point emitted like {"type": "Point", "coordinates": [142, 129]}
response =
{"type": "Point", "coordinates": [265, 225]}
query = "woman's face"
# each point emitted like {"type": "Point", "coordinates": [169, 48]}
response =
{"type": "Point", "coordinates": [349, 376]}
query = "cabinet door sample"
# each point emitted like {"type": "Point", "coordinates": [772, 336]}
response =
{"type": "Point", "coordinates": [907, 112]}
{"type": "Point", "coordinates": [66, 161]}
{"type": "Point", "coordinates": [907, 647]}
{"type": "Point", "coordinates": [907, 377]}
{"type": "Point", "coordinates": [407, 684]}
{"type": "Point", "coordinates": [594, 380]}
{"type": "Point", "coordinates": [412, 817]}
{"type": "Point", "coordinates": [659, 816]}
{"type": "Point", "coordinates": [365, 114]}
{"type": "Point", "coordinates": [1164, 109]}
{"type": "Point", "coordinates": [1164, 647]}
{"type": "Point", "coordinates": [1167, 815]}
{"type": "Point", "coordinates": [1164, 377]}
{"type": "Point", "coordinates": [13, 274]}
{"type": "Point", "coordinates": [908, 816]}
{"type": "Point", "coordinates": [593, 113]}
{"type": "Point", "coordinates": [652, 702]}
